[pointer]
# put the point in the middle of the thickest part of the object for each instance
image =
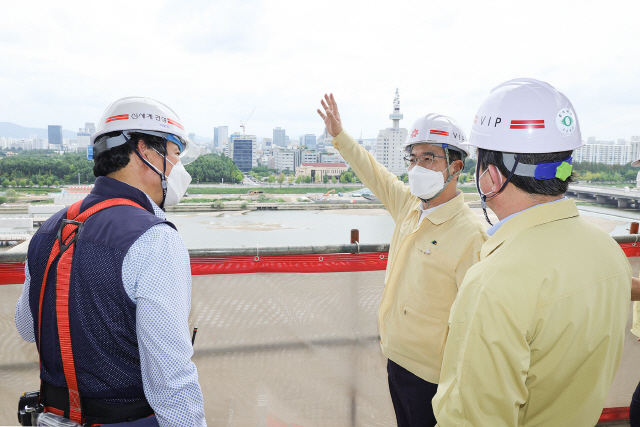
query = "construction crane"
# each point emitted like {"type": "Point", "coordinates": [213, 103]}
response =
{"type": "Point", "coordinates": [242, 124]}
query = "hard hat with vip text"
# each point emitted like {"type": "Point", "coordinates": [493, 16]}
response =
{"type": "Point", "coordinates": [526, 116]}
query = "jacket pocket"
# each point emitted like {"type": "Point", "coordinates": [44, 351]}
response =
{"type": "Point", "coordinates": [420, 335]}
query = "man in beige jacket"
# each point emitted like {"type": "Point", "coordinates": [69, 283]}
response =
{"type": "Point", "coordinates": [537, 329]}
{"type": "Point", "coordinates": [436, 239]}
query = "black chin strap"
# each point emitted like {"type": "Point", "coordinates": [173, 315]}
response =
{"type": "Point", "coordinates": [163, 176]}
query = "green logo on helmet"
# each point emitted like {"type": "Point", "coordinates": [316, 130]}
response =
{"type": "Point", "coordinates": [566, 121]}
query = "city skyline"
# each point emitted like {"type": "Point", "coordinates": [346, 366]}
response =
{"type": "Point", "coordinates": [444, 57]}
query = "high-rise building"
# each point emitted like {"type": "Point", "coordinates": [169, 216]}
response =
{"type": "Point", "coordinates": [223, 136]}
{"type": "Point", "coordinates": [279, 137]}
{"type": "Point", "coordinates": [267, 143]}
{"type": "Point", "coordinates": [55, 137]}
{"type": "Point", "coordinates": [322, 141]}
{"type": "Point", "coordinates": [285, 159]}
{"type": "Point", "coordinates": [192, 137]}
{"type": "Point", "coordinates": [389, 141]}
{"type": "Point", "coordinates": [90, 128]}
{"type": "Point", "coordinates": [84, 139]}
{"type": "Point", "coordinates": [309, 140]}
{"type": "Point", "coordinates": [608, 152]}
{"type": "Point", "coordinates": [215, 137]}
{"type": "Point", "coordinates": [243, 150]}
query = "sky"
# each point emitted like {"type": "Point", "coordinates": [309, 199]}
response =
{"type": "Point", "coordinates": [214, 62]}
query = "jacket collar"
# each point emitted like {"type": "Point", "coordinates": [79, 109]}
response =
{"type": "Point", "coordinates": [109, 188]}
{"type": "Point", "coordinates": [532, 217]}
{"type": "Point", "coordinates": [444, 212]}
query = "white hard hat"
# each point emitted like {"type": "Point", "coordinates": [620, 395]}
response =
{"type": "Point", "coordinates": [143, 115]}
{"type": "Point", "coordinates": [436, 129]}
{"type": "Point", "coordinates": [526, 116]}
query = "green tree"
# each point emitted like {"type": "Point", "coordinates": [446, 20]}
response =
{"type": "Point", "coordinates": [218, 205]}
{"type": "Point", "coordinates": [334, 180]}
{"type": "Point", "coordinates": [214, 168]}
{"type": "Point", "coordinates": [325, 178]}
{"type": "Point", "coordinates": [298, 179]}
{"type": "Point", "coordinates": [11, 195]}
{"type": "Point", "coordinates": [271, 179]}
{"type": "Point", "coordinates": [281, 179]}
{"type": "Point", "coordinates": [243, 205]}
{"type": "Point", "coordinates": [346, 177]}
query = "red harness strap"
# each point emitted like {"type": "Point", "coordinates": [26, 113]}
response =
{"type": "Point", "coordinates": [64, 246]}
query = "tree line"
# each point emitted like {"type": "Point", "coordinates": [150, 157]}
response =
{"type": "Point", "coordinates": [47, 168]}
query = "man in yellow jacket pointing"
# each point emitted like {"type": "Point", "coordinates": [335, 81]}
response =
{"type": "Point", "coordinates": [436, 239]}
{"type": "Point", "coordinates": [537, 329]}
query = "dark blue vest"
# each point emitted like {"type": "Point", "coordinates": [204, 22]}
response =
{"type": "Point", "coordinates": [102, 317]}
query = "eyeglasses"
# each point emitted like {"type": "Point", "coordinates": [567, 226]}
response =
{"type": "Point", "coordinates": [424, 160]}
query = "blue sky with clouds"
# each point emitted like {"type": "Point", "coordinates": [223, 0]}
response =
{"type": "Point", "coordinates": [215, 61]}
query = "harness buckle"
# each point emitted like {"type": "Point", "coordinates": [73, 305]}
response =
{"type": "Point", "coordinates": [74, 239]}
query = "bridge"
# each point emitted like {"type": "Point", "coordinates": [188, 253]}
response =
{"type": "Point", "coordinates": [8, 238]}
{"type": "Point", "coordinates": [621, 197]}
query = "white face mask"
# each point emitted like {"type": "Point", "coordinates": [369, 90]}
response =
{"type": "Point", "coordinates": [425, 183]}
{"type": "Point", "coordinates": [177, 182]}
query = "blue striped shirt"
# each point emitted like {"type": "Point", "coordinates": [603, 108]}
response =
{"type": "Point", "coordinates": [156, 274]}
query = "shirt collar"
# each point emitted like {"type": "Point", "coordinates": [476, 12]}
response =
{"type": "Point", "coordinates": [491, 230]}
{"type": "Point", "coordinates": [443, 212]}
{"type": "Point", "coordinates": [156, 209]}
{"type": "Point", "coordinates": [528, 218]}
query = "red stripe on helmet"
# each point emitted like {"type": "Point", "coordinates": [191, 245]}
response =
{"type": "Point", "coordinates": [119, 117]}
{"type": "Point", "coordinates": [175, 123]}
{"type": "Point", "coordinates": [527, 124]}
{"type": "Point", "coordinates": [527, 127]}
{"type": "Point", "coordinates": [439, 132]}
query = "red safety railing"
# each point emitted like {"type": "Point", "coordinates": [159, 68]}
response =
{"type": "Point", "coordinates": [13, 273]}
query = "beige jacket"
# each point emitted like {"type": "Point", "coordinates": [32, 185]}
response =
{"type": "Point", "coordinates": [427, 263]}
{"type": "Point", "coordinates": [537, 330]}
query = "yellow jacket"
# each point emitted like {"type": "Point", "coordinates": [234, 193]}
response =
{"type": "Point", "coordinates": [537, 330]}
{"type": "Point", "coordinates": [427, 263]}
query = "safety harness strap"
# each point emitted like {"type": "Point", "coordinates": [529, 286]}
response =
{"type": "Point", "coordinates": [64, 246]}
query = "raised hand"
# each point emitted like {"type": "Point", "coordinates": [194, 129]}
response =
{"type": "Point", "coordinates": [331, 116]}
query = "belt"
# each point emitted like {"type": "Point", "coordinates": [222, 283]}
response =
{"type": "Point", "coordinates": [95, 411]}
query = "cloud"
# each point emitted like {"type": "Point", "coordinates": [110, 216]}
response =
{"type": "Point", "coordinates": [214, 61]}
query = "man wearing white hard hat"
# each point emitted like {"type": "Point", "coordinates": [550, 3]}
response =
{"type": "Point", "coordinates": [436, 239]}
{"type": "Point", "coordinates": [537, 329]}
{"type": "Point", "coordinates": [108, 282]}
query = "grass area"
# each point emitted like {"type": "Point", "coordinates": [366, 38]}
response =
{"type": "Point", "coordinates": [42, 202]}
{"type": "Point", "coordinates": [286, 189]}
{"type": "Point", "coordinates": [198, 200]}
{"type": "Point", "coordinates": [35, 190]}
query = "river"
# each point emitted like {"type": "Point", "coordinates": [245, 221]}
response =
{"type": "Point", "coordinates": [328, 227]}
